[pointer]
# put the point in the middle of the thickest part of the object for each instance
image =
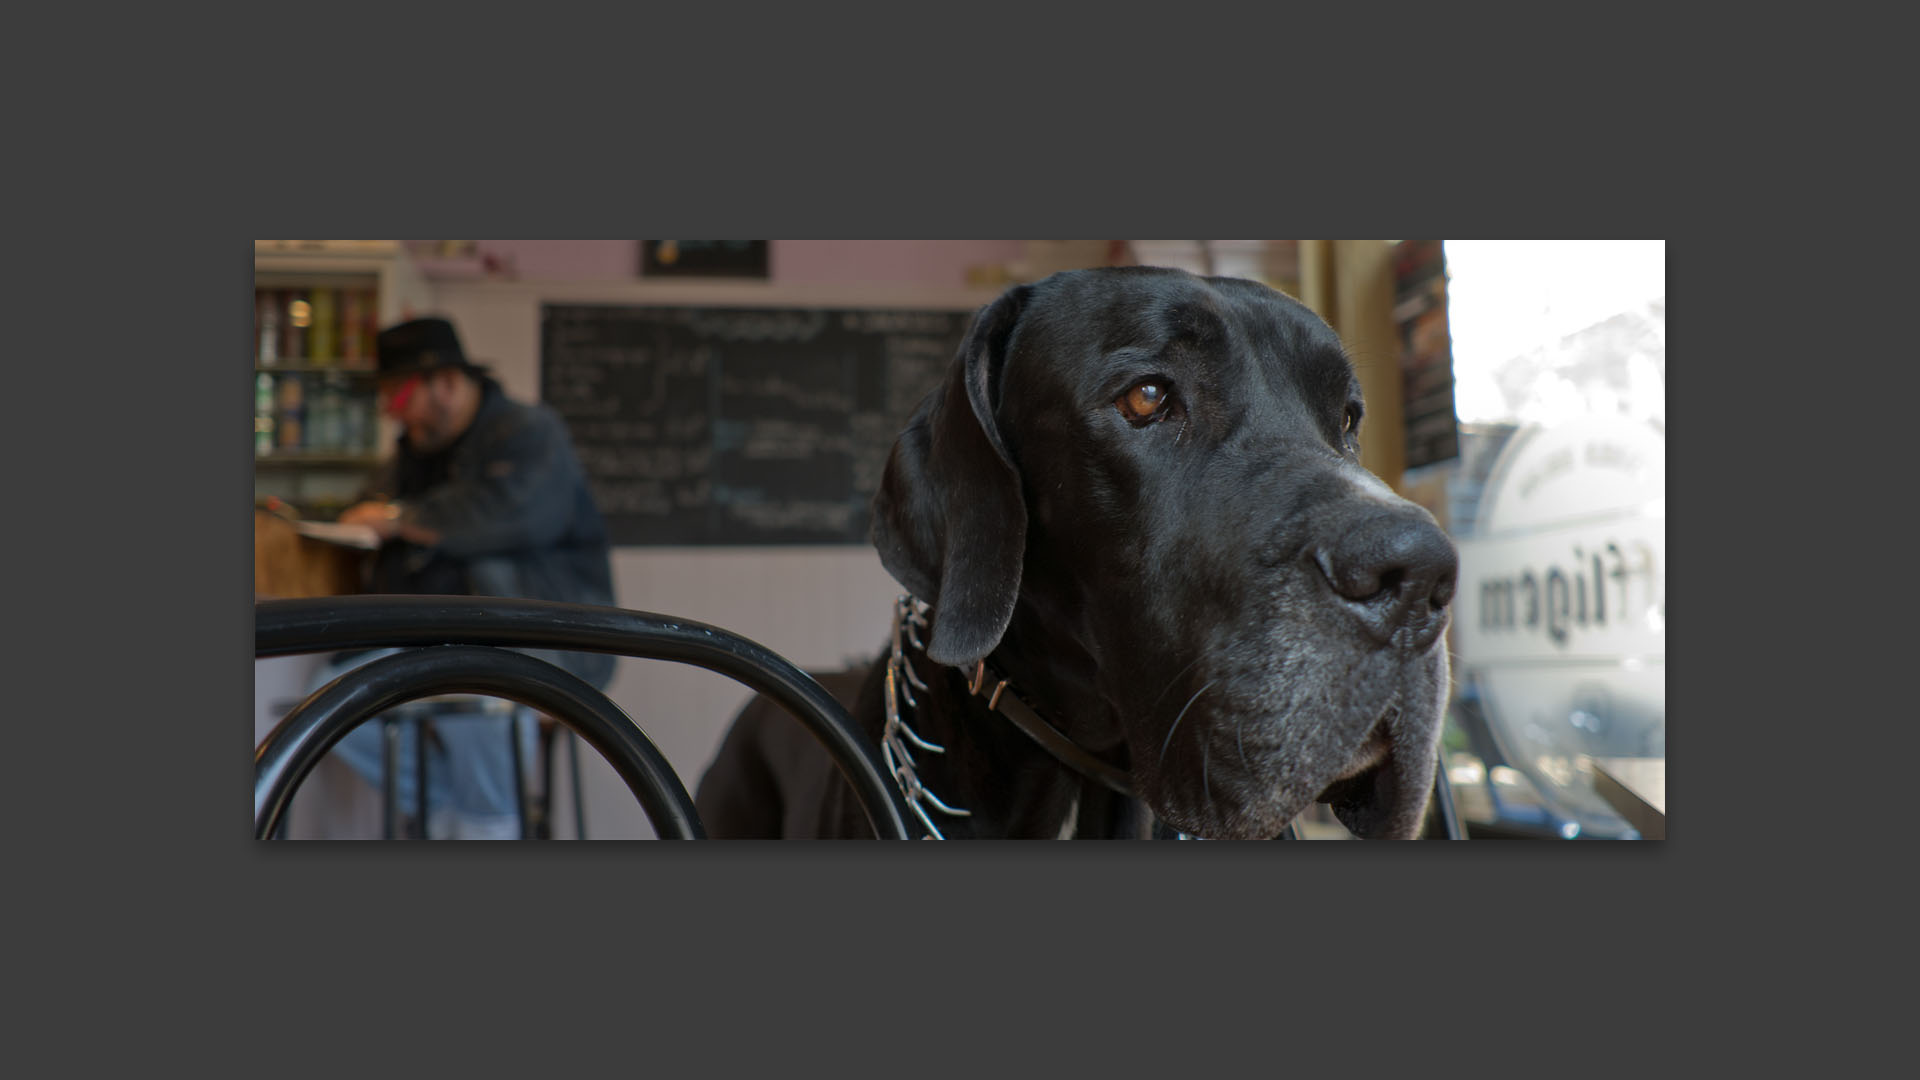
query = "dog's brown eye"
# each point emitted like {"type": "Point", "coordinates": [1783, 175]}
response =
{"type": "Point", "coordinates": [1352, 421]}
{"type": "Point", "coordinates": [1142, 403]}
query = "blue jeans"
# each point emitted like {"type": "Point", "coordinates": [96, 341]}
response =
{"type": "Point", "coordinates": [471, 787]}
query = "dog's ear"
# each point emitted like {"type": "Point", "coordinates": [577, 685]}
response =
{"type": "Point", "coordinates": [950, 518]}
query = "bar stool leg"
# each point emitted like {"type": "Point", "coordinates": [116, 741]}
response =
{"type": "Point", "coordinates": [543, 798]}
{"type": "Point", "coordinates": [389, 778]}
{"type": "Point", "coordinates": [579, 800]}
{"type": "Point", "coordinates": [519, 775]}
{"type": "Point", "coordinates": [422, 729]}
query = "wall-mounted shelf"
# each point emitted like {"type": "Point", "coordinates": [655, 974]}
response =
{"type": "Point", "coordinates": [317, 434]}
{"type": "Point", "coordinates": [315, 369]}
{"type": "Point", "coordinates": [294, 459]}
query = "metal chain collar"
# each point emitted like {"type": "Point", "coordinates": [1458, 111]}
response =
{"type": "Point", "coordinates": [909, 618]}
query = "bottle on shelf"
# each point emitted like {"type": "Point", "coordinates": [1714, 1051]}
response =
{"type": "Point", "coordinates": [333, 434]}
{"type": "Point", "coordinates": [369, 327]}
{"type": "Point", "coordinates": [370, 409]}
{"type": "Point", "coordinates": [350, 352]}
{"type": "Point", "coordinates": [262, 415]}
{"type": "Point", "coordinates": [356, 417]}
{"type": "Point", "coordinates": [290, 417]}
{"type": "Point", "coordinates": [267, 312]}
{"type": "Point", "coordinates": [299, 321]}
{"type": "Point", "coordinates": [320, 334]}
{"type": "Point", "coordinates": [319, 416]}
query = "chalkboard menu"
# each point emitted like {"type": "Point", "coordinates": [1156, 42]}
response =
{"type": "Point", "coordinates": [739, 425]}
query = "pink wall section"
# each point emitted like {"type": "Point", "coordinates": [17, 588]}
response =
{"type": "Point", "coordinates": [941, 263]}
{"type": "Point", "coordinates": [568, 260]}
{"type": "Point", "coordinates": [905, 262]}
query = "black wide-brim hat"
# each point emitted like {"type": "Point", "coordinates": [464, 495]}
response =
{"type": "Point", "coordinates": [420, 345]}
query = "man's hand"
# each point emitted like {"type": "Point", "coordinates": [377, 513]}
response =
{"type": "Point", "coordinates": [382, 517]}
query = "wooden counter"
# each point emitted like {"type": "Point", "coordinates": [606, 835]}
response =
{"type": "Point", "coordinates": [287, 565]}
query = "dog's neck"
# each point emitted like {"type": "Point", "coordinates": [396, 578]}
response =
{"type": "Point", "coordinates": [1007, 782]}
{"type": "Point", "coordinates": [1056, 675]}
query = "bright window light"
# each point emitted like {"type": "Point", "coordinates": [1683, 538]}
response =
{"type": "Point", "coordinates": [1525, 320]}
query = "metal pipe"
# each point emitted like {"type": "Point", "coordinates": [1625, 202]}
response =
{"type": "Point", "coordinates": [579, 800]}
{"type": "Point", "coordinates": [286, 627]}
{"type": "Point", "coordinates": [296, 745]}
{"type": "Point", "coordinates": [389, 778]}
{"type": "Point", "coordinates": [422, 731]}
{"type": "Point", "coordinates": [1443, 798]}
{"type": "Point", "coordinates": [542, 800]}
{"type": "Point", "coordinates": [519, 778]}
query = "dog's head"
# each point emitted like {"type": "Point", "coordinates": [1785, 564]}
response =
{"type": "Point", "coordinates": [1142, 488]}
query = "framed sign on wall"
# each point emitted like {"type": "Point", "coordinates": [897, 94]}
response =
{"type": "Point", "coordinates": [704, 258]}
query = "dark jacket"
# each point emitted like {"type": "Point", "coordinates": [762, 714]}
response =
{"type": "Point", "coordinates": [511, 504]}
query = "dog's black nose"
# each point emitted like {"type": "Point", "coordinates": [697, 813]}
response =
{"type": "Point", "coordinates": [1396, 571]}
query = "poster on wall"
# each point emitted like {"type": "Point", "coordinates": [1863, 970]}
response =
{"type": "Point", "coordinates": [1426, 352]}
{"type": "Point", "coordinates": [704, 258]}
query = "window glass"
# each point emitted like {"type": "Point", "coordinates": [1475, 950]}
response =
{"type": "Point", "coordinates": [1557, 500]}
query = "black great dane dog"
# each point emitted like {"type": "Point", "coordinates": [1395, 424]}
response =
{"type": "Point", "coordinates": [1137, 498]}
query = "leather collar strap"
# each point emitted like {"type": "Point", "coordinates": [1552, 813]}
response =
{"type": "Point", "coordinates": [986, 682]}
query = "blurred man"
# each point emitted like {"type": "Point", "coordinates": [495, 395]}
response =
{"type": "Point", "coordinates": [483, 496]}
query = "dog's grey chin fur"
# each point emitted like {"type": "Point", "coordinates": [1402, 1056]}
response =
{"type": "Point", "coordinates": [1374, 767]}
{"type": "Point", "coordinates": [1377, 802]}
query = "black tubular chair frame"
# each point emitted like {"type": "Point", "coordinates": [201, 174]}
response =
{"type": "Point", "coordinates": [459, 644]}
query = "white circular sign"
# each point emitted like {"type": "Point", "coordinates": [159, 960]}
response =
{"type": "Point", "coordinates": [1560, 621]}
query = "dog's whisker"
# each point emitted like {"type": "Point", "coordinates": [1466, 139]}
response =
{"type": "Point", "coordinates": [1175, 679]}
{"type": "Point", "coordinates": [1168, 741]}
{"type": "Point", "coordinates": [1205, 788]}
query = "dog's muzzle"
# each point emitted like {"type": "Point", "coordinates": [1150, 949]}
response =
{"type": "Point", "coordinates": [1394, 571]}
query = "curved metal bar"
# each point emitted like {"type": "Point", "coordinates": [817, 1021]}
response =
{"type": "Point", "coordinates": [297, 743]}
{"type": "Point", "coordinates": [285, 627]}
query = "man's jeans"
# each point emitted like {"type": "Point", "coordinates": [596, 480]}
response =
{"type": "Point", "coordinates": [471, 789]}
